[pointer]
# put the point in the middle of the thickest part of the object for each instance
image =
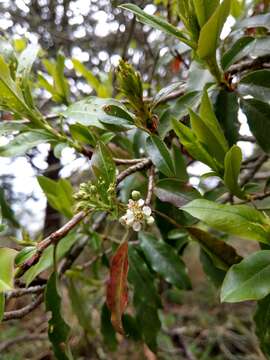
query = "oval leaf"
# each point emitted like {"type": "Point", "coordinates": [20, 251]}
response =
{"type": "Point", "coordinates": [248, 280]}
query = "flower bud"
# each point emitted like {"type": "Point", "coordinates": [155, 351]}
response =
{"type": "Point", "coordinates": [135, 195]}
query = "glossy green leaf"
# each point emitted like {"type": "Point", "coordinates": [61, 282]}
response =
{"type": "Point", "coordinates": [26, 141]}
{"type": "Point", "coordinates": [256, 84]}
{"type": "Point", "coordinates": [164, 260]}
{"type": "Point", "coordinates": [131, 327]}
{"type": "Point", "coordinates": [165, 92]}
{"type": "Point", "coordinates": [232, 165]}
{"type": "Point", "coordinates": [226, 109]}
{"type": "Point", "coordinates": [189, 100]}
{"type": "Point", "coordinates": [91, 112]}
{"type": "Point", "coordinates": [179, 164]}
{"type": "Point", "coordinates": [239, 220]}
{"type": "Point", "coordinates": [9, 127]}
{"type": "Point", "coordinates": [188, 18]}
{"type": "Point", "coordinates": [208, 116]}
{"type": "Point", "coordinates": [222, 254]}
{"type": "Point", "coordinates": [258, 117]}
{"type": "Point", "coordinates": [156, 22]}
{"type": "Point", "coordinates": [193, 145]}
{"type": "Point", "coordinates": [210, 32]}
{"type": "Point", "coordinates": [212, 272]}
{"type": "Point", "coordinates": [25, 63]}
{"type": "Point", "coordinates": [262, 321]}
{"type": "Point", "coordinates": [107, 330]}
{"type": "Point", "coordinates": [237, 51]}
{"type": "Point", "coordinates": [175, 192]}
{"type": "Point", "coordinates": [248, 280]}
{"type": "Point", "coordinates": [103, 165]}
{"type": "Point", "coordinates": [7, 257]}
{"type": "Point", "coordinates": [206, 136]}
{"type": "Point", "coordinates": [160, 155]}
{"type": "Point", "coordinates": [198, 77]}
{"type": "Point", "coordinates": [204, 9]}
{"type": "Point", "coordinates": [46, 260]}
{"type": "Point", "coordinates": [149, 323]}
{"type": "Point", "coordinates": [82, 134]}
{"type": "Point", "coordinates": [145, 298]}
{"type": "Point", "coordinates": [58, 194]}
{"type": "Point", "coordinates": [24, 254]}
{"type": "Point", "coordinates": [58, 330]}
{"type": "Point", "coordinates": [262, 20]}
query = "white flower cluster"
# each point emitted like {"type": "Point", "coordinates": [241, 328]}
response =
{"type": "Point", "coordinates": [137, 215]}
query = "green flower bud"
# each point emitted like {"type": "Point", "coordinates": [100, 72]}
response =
{"type": "Point", "coordinates": [135, 195]}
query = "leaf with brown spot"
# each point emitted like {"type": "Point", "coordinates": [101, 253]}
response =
{"type": "Point", "coordinates": [117, 290]}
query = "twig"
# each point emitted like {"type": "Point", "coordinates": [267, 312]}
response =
{"type": "Point", "coordinates": [29, 337]}
{"type": "Point", "coordinates": [128, 161]}
{"type": "Point", "coordinates": [258, 63]}
{"type": "Point", "coordinates": [250, 174]}
{"type": "Point", "coordinates": [151, 185]}
{"type": "Point", "coordinates": [144, 164]}
{"type": "Point", "coordinates": [247, 138]}
{"type": "Point", "coordinates": [25, 291]}
{"type": "Point", "coordinates": [18, 314]}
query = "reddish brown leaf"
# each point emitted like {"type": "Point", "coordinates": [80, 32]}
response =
{"type": "Point", "coordinates": [117, 291]}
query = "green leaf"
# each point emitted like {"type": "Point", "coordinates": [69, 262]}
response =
{"type": "Point", "coordinates": [262, 321]}
{"type": "Point", "coordinates": [26, 141]}
{"type": "Point", "coordinates": [107, 330]}
{"type": "Point", "coordinates": [179, 164]}
{"type": "Point", "coordinates": [226, 108]}
{"type": "Point", "coordinates": [232, 164]}
{"type": "Point", "coordinates": [58, 193]}
{"type": "Point", "coordinates": [87, 74]}
{"type": "Point", "coordinates": [103, 165]}
{"type": "Point", "coordinates": [206, 136]}
{"type": "Point", "coordinates": [58, 330]}
{"type": "Point", "coordinates": [256, 84]}
{"type": "Point", "coordinates": [2, 305]}
{"type": "Point", "coordinates": [210, 32]}
{"type": "Point", "coordinates": [6, 210]}
{"type": "Point", "coordinates": [175, 192]}
{"type": "Point", "coordinates": [190, 100]}
{"type": "Point", "coordinates": [193, 145]}
{"type": "Point", "coordinates": [149, 323]}
{"type": "Point", "coordinates": [209, 118]}
{"type": "Point", "coordinates": [222, 254]}
{"type": "Point", "coordinates": [93, 111]}
{"type": "Point", "coordinates": [237, 51]}
{"type": "Point", "coordinates": [204, 9]}
{"type": "Point", "coordinates": [157, 23]}
{"type": "Point", "coordinates": [238, 220]}
{"type": "Point", "coordinates": [7, 257]}
{"type": "Point", "coordinates": [145, 298]}
{"type": "Point", "coordinates": [215, 274]}
{"type": "Point", "coordinates": [24, 254]}
{"type": "Point", "coordinates": [131, 327]}
{"type": "Point", "coordinates": [80, 306]}
{"type": "Point", "coordinates": [262, 20]}
{"type": "Point", "coordinates": [25, 63]}
{"type": "Point", "coordinates": [164, 260]}
{"type": "Point", "coordinates": [82, 134]}
{"type": "Point", "coordinates": [198, 77]}
{"type": "Point", "coordinates": [160, 155]}
{"type": "Point", "coordinates": [11, 95]}
{"type": "Point", "coordinates": [9, 127]}
{"type": "Point", "coordinates": [258, 117]}
{"type": "Point", "coordinates": [46, 260]}
{"type": "Point", "coordinates": [248, 280]}
{"type": "Point", "coordinates": [164, 92]}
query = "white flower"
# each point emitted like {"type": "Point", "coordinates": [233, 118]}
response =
{"type": "Point", "coordinates": [137, 226]}
{"type": "Point", "coordinates": [147, 210]}
{"type": "Point", "coordinates": [137, 215]}
{"type": "Point", "coordinates": [140, 202]}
